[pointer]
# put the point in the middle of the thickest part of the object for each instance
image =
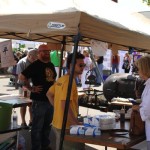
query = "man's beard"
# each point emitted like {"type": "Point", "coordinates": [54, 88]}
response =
{"type": "Point", "coordinates": [46, 59]}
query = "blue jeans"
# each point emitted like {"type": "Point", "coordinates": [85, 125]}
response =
{"type": "Point", "coordinates": [42, 117]}
{"type": "Point", "coordinates": [98, 77]}
{"type": "Point", "coordinates": [100, 67]}
{"type": "Point", "coordinates": [65, 70]}
{"type": "Point", "coordinates": [115, 67]}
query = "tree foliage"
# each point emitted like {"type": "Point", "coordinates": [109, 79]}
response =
{"type": "Point", "coordinates": [19, 48]}
{"type": "Point", "coordinates": [147, 1]}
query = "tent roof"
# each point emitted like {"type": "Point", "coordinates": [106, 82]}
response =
{"type": "Point", "coordinates": [29, 20]}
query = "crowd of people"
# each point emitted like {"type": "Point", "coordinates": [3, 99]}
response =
{"type": "Point", "coordinates": [45, 86]}
{"type": "Point", "coordinates": [47, 102]}
{"type": "Point", "coordinates": [55, 57]}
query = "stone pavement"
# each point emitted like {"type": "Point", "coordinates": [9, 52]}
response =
{"type": "Point", "coordinates": [5, 89]}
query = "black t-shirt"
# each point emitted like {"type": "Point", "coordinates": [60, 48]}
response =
{"type": "Point", "coordinates": [42, 74]}
{"type": "Point", "coordinates": [100, 60]}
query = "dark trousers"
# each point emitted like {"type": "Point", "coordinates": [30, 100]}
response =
{"type": "Point", "coordinates": [126, 70]}
{"type": "Point", "coordinates": [42, 117]}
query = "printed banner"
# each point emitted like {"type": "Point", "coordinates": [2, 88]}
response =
{"type": "Point", "coordinates": [7, 57]}
{"type": "Point", "coordinates": [99, 48]}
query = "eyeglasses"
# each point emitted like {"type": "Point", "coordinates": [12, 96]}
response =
{"type": "Point", "coordinates": [82, 65]}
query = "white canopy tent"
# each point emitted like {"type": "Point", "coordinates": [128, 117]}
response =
{"type": "Point", "coordinates": [100, 20]}
{"type": "Point", "coordinates": [59, 21]}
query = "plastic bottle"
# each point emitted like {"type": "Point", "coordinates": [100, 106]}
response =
{"type": "Point", "coordinates": [15, 119]}
{"type": "Point", "coordinates": [122, 115]}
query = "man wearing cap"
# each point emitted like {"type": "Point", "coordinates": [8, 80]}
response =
{"type": "Point", "coordinates": [21, 65]}
{"type": "Point", "coordinates": [42, 73]}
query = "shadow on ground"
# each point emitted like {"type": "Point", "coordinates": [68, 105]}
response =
{"type": "Point", "coordinates": [3, 94]}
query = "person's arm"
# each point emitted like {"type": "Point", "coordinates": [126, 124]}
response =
{"type": "Point", "coordinates": [118, 59]}
{"type": "Point", "coordinates": [25, 81]}
{"type": "Point", "coordinates": [33, 89]}
{"type": "Point", "coordinates": [123, 59]}
{"type": "Point", "coordinates": [23, 78]}
{"type": "Point", "coordinates": [136, 107]}
{"type": "Point", "coordinates": [145, 105]}
{"type": "Point", "coordinates": [129, 59]}
{"type": "Point", "coordinates": [72, 113]}
{"type": "Point", "coordinates": [111, 60]}
{"type": "Point", "coordinates": [50, 96]}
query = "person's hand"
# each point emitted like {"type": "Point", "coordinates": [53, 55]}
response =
{"type": "Point", "coordinates": [36, 89]}
{"type": "Point", "coordinates": [135, 107]}
{"type": "Point", "coordinates": [76, 122]}
{"type": "Point", "coordinates": [80, 123]}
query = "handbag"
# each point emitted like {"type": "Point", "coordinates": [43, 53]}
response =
{"type": "Point", "coordinates": [123, 66]}
{"type": "Point", "coordinates": [137, 126]}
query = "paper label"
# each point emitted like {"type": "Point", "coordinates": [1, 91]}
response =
{"type": "Point", "coordinates": [56, 25]}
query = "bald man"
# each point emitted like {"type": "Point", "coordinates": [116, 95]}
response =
{"type": "Point", "coordinates": [42, 73]}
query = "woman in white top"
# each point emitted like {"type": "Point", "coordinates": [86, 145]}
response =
{"type": "Point", "coordinates": [143, 65]}
{"type": "Point", "coordinates": [88, 62]}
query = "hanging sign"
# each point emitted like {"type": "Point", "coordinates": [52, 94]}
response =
{"type": "Point", "coordinates": [99, 48]}
{"type": "Point", "coordinates": [7, 57]}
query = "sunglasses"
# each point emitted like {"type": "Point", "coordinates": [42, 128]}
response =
{"type": "Point", "coordinates": [82, 65]}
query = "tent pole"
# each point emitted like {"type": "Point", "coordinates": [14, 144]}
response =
{"type": "Point", "coordinates": [76, 41]}
{"type": "Point", "coordinates": [96, 67]}
{"type": "Point", "coordinates": [61, 57]}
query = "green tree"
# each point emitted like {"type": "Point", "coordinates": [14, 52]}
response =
{"type": "Point", "coordinates": [19, 48]}
{"type": "Point", "coordinates": [146, 1]}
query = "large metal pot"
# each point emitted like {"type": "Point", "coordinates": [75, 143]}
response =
{"type": "Point", "coordinates": [119, 85]}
